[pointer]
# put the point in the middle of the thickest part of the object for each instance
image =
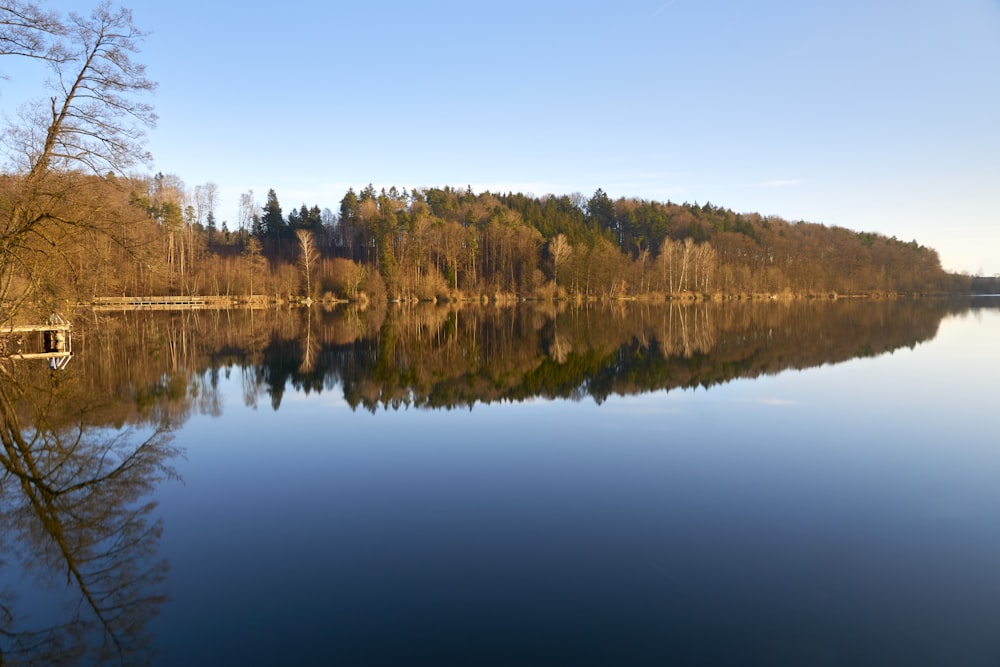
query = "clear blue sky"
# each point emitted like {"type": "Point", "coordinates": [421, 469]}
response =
{"type": "Point", "coordinates": [877, 115]}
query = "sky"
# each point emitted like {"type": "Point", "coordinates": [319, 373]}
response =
{"type": "Point", "coordinates": [875, 115]}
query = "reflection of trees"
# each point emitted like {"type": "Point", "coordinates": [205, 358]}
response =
{"type": "Point", "coordinates": [74, 504]}
{"type": "Point", "coordinates": [458, 355]}
{"type": "Point", "coordinates": [490, 354]}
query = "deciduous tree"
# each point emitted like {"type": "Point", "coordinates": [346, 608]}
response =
{"type": "Point", "coordinates": [26, 30]}
{"type": "Point", "coordinates": [95, 117]}
{"type": "Point", "coordinates": [559, 249]}
{"type": "Point", "coordinates": [308, 256]}
{"type": "Point", "coordinates": [94, 120]}
{"type": "Point", "coordinates": [245, 215]}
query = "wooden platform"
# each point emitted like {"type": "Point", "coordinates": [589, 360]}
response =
{"type": "Point", "coordinates": [55, 323]}
{"type": "Point", "coordinates": [52, 341]}
{"type": "Point", "coordinates": [176, 302]}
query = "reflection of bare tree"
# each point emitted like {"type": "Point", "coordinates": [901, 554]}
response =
{"type": "Point", "coordinates": [559, 348]}
{"type": "Point", "coordinates": [310, 345]}
{"type": "Point", "coordinates": [686, 330]}
{"type": "Point", "coordinates": [74, 505]}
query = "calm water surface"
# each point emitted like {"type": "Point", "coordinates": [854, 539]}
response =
{"type": "Point", "coordinates": [804, 484]}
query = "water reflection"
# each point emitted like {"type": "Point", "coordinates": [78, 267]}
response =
{"type": "Point", "coordinates": [457, 356]}
{"type": "Point", "coordinates": [78, 526]}
{"type": "Point", "coordinates": [85, 449]}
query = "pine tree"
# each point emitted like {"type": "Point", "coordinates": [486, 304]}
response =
{"type": "Point", "coordinates": [348, 225]}
{"type": "Point", "coordinates": [272, 223]}
{"type": "Point", "coordinates": [211, 228]}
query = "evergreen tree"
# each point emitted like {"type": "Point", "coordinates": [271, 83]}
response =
{"type": "Point", "coordinates": [211, 227]}
{"type": "Point", "coordinates": [294, 219]}
{"type": "Point", "coordinates": [314, 220]}
{"type": "Point", "coordinates": [272, 223]}
{"type": "Point", "coordinates": [600, 209]}
{"type": "Point", "coordinates": [349, 206]}
{"type": "Point", "coordinates": [348, 226]}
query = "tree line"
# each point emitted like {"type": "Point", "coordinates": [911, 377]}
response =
{"type": "Point", "coordinates": [153, 235]}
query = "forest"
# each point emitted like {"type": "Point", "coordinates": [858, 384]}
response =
{"type": "Point", "coordinates": [79, 220]}
{"type": "Point", "coordinates": [136, 236]}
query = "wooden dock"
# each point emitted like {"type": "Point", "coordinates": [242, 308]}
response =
{"type": "Point", "coordinates": [53, 341]}
{"type": "Point", "coordinates": [176, 302]}
{"type": "Point", "coordinates": [33, 328]}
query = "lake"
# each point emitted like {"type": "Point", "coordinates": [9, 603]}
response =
{"type": "Point", "coordinates": [785, 483]}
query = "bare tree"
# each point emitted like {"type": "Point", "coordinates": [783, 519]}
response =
{"type": "Point", "coordinates": [687, 252]}
{"type": "Point", "coordinates": [93, 122]}
{"type": "Point", "coordinates": [307, 257]}
{"type": "Point", "coordinates": [705, 264]}
{"type": "Point", "coordinates": [199, 208]}
{"type": "Point", "coordinates": [93, 119]}
{"type": "Point", "coordinates": [254, 260]}
{"type": "Point", "coordinates": [668, 264]}
{"type": "Point", "coordinates": [211, 195]}
{"type": "Point", "coordinates": [247, 208]}
{"type": "Point", "coordinates": [206, 199]}
{"type": "Point", "coordinates": [26, 30]}
{"type": "Point", "coordinates": [560, 250]}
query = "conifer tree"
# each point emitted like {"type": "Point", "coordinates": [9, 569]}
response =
{"type": "Point", "coordinates": [272, 222]}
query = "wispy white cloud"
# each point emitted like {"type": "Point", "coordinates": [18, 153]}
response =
{"type": "Point", "coordinates": [663, 8]}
